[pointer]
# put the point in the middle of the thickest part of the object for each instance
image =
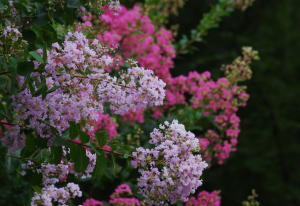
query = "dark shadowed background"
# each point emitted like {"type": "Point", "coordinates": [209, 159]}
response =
{"type": "Point", "coordinates": [267, 157]}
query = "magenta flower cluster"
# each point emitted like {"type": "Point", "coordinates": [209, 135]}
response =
{"type": "Point", "coordinates": [121, 196]}
{"type": "Point", "coordinates": [103, 123]}
{"type": "Point", "coordinates": [170, 171]}
{"type": "Point", "coordinates": [135, 35]}
{"type": "Point", "coordinates": [205, 198]}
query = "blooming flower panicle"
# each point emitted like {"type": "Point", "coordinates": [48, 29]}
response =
{"type": "Point", "coordinates": [82, 86]}
{"type": "Point", "coordinates": [170, 171]}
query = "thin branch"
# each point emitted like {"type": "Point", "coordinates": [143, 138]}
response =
{"type": "Point", "coordinates": [4, 72]}
{"type": "Point", "coordinates": [21, 158]}
{"type": "Point", "coordinates": [6, 92]}
{"type": "Point", "coordinates": [100, 148]}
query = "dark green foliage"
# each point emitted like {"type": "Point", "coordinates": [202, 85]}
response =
{"type": "Point", "coordinates": [115, 168]}
{"type": "Point", "coordinates": [101, 138]}
{"type": "Point", "coordinates": [57, 154]}
{"type": "Point", "coordinates": [81, 160]}
{"type": "Point", "coordinates": [101, 165]}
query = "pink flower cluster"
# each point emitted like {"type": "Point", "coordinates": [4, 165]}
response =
{"type": "Point", "coordinates": [75, 98]}
{"type": "Point", "coordinates": [220, 98]}
{"type": "Point", "coordinates": [136, 37]}
{"type": "Point", "coordinates": [132, 117]}
{"type": "Point", "coordinates": [104, 122]}
{"type": "Point", "coordinates": [119, 197]}
{"type": "Point", "coordinates": [92, 202]}
{"type": "Point", "coordinates": [181, 170]}
{"type": "Point", "coordinates": [205, 199]}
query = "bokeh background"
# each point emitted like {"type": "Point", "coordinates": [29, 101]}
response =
{"type": "Point", "coordinates": [267, 157]}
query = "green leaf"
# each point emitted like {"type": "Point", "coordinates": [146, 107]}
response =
{"type": "Point", "coordinates": [45, 52]}
{"type": "Point", "coordinates": [40, 90]}
{"type": "Point", "coordinates": [13, 61]}
{"type": "Point", "coordinates": [62, 142]}
{"type": "Point", "coordinates": [11, 163]}
{"type": "Point", "coordinates": [57, 12]}
{"type": "Point", "coordinates": [12, 69]}
{"type": "Point", "coordinates": [26, 152]}
{"type": "Point", "coordinates": [98, 152]}
{"type": "Point", "coordinates": [74, 152]}
{"type": "Point", "coordinates": [3, 83]}
{"type": "Point", "coordinates": [44, 93]}
{"type": "Point", "coordinates": [115, 168]}
{"type": "Point", "coordinates": [100, 167]}
{"type": "Point", "coordinates": [21, 7]}
{"type": "Point", "coordinates": [54, 130]}
{"type": "Point", "coordinates": [84, 137]}
{"type": "Point", "coordinates": [68, 15]}
{"type": "Point", "coordinates": [128, 148]}
{"type": "Point", "coordinates": [24, 84]}
{"type": "Point", "coordinates": [36, 188]}
{"type": "Point", "coordinates": [128, 165]}
{"type": "Point", "coordinates": [101, 137]}
{"type": "Point", "coordinates": [25, 68]}
{"type": "Point", "coordinates": [113, 145]}
{"type": "Point", "coordinates": [74, 130]}
{"type": "Point", "coordinates": [57, 154]}
{"type": "Point", "coordinates": [31, 87]}
{"type": "Point", "coordinates": [60, 21]}
{"type": "Point", "coordinates": [126, 155]}
{"type": "Point", "coordinates": [40, 8]}
{"type": "Point", "coordinates": [30, 142]}
{"type": "Point", "coordinates": [13, 85]}
{"type": "Point", "coordinates": [2, 109]}
{"type": "Point", "coordinates": [48, 28]}
{"type": "Point", "coordinates": [41, 143]}
{"type": "Point", "coordinates": [37, 56]}
{"type": "Point", "coordinates": [80, 72]}
{"type": "Point", "coordinates": [73, 3]}
{"type": "Point", "coordinates": [41, 20]}
{"type": "Point", "coordinates": [29, 36]}
{"type": "Point", "coordinates": [33, 178]}
{"type": "Point", "coordinates": [82, 161]}
{"type": "Point", "coordinates": [25, 54]}
{"type": "Point", "coordinates": [65, 134]}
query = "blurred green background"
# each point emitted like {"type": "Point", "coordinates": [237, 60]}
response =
{"type": "Point", "coordinates": [267, 157]}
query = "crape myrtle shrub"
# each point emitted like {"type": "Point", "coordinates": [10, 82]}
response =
{"type": "Point", "coordinates": [87, 105]}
